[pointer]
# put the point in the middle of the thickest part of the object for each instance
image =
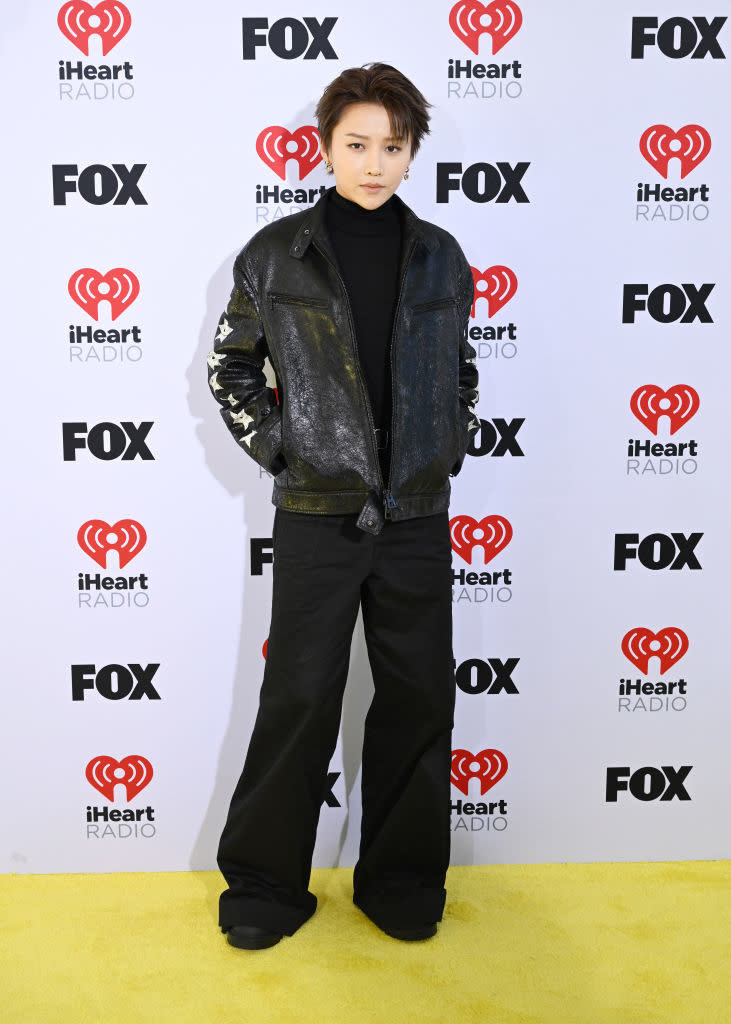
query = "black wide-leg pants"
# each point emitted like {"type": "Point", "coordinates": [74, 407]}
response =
{"type": "Point", "coordinates": [324, 569]}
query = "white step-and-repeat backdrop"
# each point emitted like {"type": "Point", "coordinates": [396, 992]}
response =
{"type": "Point", "coordinates": [580, 154]}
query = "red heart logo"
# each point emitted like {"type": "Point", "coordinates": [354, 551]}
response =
{"type": "Point", "coordinates": [641, 644]}
{"type": "Point", "coordinates": [501, 284]}
{"type": "Point", "coordinates": [679, 403]}
{"type": "Point", "coordinates": [470, 19]}
{"type": "Point", "coordinates": [134, 772]}
{"type": "Point", "coordinates": [488, 766]}
{"type": "Point", "coordinates": [691, 144]}
{"type": "Point", "coordinates": [110, 20]}
{"type": "Point", "coordinates": [126, 537]}
{"type": "Point", "coordinates": [492, 534]}
{"type": "Point", "coordinates": [276, 145]}
{"type": "Point", "coordinates": [87, 287]}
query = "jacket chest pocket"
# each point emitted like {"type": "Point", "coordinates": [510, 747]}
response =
{"type": "Point", "coordinates": [433, 327]}
{"type": "Point", "coordinates": [304, 301]}
{"type": "Point", "coordinates": [426, 307]}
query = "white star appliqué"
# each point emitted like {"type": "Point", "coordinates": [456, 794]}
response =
{"type": "Point", "coordinates": [223, 330]}
{"type": "Point", "coordinates": [246, 439]}
{"type": "Point", "coordinates": [215, 359]}
{"type": "Point", "coordinates": [242, 419]}
{"type": "Point", "coordinates": [213, 381]}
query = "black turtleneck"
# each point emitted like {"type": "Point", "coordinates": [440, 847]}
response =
{"type": "Point", "coordinates": [367, 245]}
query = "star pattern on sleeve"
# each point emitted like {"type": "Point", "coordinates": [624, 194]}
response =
{"type": "Point", "coordinates": [213, 381]}
{"type": "Point", "coordinates": [242, 419]}
{"type": "Point", "coordinates": [223, 330]}
{"type": "Point", "coordinates": [215, 359]}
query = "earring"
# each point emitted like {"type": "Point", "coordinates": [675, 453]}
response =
{"type": "Point", "coordinates": [328, 167]}
{"type": "Point", "coordinates": [406, 175]}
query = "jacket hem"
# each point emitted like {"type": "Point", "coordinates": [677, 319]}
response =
{"type": "Point", "coordinates": [347, 502]}
{"type": "Point", "coordinates": [421, 505]}
{"type": "Point", "coordinates": [322, 503]}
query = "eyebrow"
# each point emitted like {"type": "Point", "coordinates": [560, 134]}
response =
{"type": "Point", "coordinates": [354, 135]}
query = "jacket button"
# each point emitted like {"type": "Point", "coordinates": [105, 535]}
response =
{"type": "Point", "coordinates": [306, 231]}
{"type": "Point", "coordinates": [296, 249]}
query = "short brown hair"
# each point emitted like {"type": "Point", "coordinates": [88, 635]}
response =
{"type": "Point", "coordinates": [375, 83]}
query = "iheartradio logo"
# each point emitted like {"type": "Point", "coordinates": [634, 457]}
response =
{"type": "Point", "coordinates": [492, 534]}
{"type": "Point", "coordinates": [96, 538]}
{"type": "Point", "coordinates": [119, 287]}
{"type": "Point", "coordinates": [691, 144]}
{"type": "Point", "coordinates": [641, 644]}
{"type": "Point", "coordinates": [276, 145]}
{"type": "Point", "coordinates": [489, 766]}
{"type": "Point", "coordinates": [470, 19]}
{"type": "Point", "coordinates": [499, 286]}
{"type": "Point", "coordinates": [79, 21]}
{"type": "Point", "coordinates": [679, 403]}
{"type": "Point", "coordinates": [134, 772]}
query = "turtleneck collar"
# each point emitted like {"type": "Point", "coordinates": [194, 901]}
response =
{"type": "Point", "coordinates": [348, 216]}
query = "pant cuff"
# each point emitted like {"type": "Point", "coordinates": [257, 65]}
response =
{"type": "Point", "coordinates": [274, 917]}
{"type": "Point", "coordinates": [404, 909]}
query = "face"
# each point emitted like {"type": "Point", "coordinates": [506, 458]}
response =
{"type": "Point", "coordinates": [367, 163]}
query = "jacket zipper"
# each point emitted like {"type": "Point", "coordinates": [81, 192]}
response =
{"type": "Point", "coordinates": [389, 501]}
{"type": "Point", "coordinates": [357, 364]}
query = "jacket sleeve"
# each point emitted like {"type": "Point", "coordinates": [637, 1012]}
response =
{"type": "Point", "coordinates": [236, 377]}
{"type": "Point", "coordinates": [468, 374]}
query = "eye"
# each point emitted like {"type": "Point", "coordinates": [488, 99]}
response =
{"type": "Point", "coordinates": [394, 149]}
{"type": "Point", "coordinates": [355, 145]}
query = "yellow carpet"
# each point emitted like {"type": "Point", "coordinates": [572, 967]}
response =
{"type": "Point", "coordinates": [583, 943]}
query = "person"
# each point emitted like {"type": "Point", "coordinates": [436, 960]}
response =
{"type": "Point", "coordinates": [362, 310]}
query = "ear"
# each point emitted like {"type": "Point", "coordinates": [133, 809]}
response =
{"type": "Point", "coordinates": [323, 154]}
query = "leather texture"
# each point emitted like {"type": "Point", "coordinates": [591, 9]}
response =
{"type": "Point", "coordinates": [316, 434]}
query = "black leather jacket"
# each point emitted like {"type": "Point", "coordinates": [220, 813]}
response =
{"type": "Point", "coordinates": [316, 434]}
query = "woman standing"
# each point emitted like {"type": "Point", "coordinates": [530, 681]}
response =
{"type": "Point", "coordinates": [362, 309]}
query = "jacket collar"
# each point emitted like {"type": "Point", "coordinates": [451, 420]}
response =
{"type": "Point", "coordinates": [312, 227]}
